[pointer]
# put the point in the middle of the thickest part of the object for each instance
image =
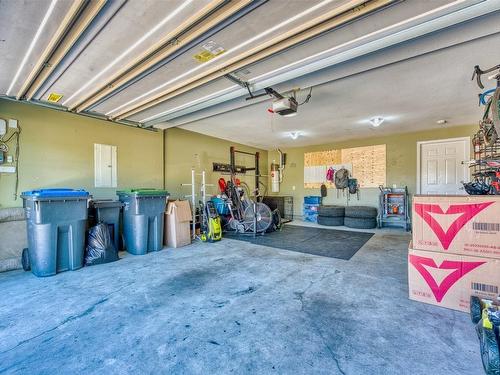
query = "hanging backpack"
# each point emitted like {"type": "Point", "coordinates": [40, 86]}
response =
{"type": "Point", "coordinates": [330, 173]}
{"type": "Point", "coordinates": [353, 185]}
{"type": "Point", "coordinates": [342, 178]}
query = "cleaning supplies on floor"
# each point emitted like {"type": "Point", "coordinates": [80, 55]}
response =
{"type": "Point", "coordinates": [211, 223]}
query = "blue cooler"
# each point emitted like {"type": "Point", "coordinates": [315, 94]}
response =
{"type": "Point", "coordinates": [221, 206]}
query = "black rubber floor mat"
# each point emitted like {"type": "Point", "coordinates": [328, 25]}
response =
{"type": "Point", "coordinates": [332, 243]}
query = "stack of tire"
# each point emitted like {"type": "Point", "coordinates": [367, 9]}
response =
{"type": "Point", "coordinates": [331, 215]}
{"type": "Point", "coordinates": [360, 217]}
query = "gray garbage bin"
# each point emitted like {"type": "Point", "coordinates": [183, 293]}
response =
{"type": "Point", "coordinates": [143, 214]}
{"type": "Point", "coordinates": [56, 223]}
{"type": "Point", "coordinates": [107, 212]}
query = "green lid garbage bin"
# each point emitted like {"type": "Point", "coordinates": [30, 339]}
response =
{"type": "Point", "coordinates": [57, 220]}
{"type": "Point", "coordinates": [143, 214]}
{"type": "Point", "coordinates": [107, 211]}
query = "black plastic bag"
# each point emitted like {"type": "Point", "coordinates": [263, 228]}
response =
{"type": "Point", "coordinates": [100, 249]}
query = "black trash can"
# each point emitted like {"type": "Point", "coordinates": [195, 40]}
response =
{"type": "Point", "coordinates": [107, 212]}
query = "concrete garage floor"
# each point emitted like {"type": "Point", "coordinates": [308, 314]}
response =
{"type": "Point", "coordinates": [233, 307]}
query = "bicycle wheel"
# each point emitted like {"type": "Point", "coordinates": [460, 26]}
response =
{"type": "Point", "coordinates": [495, 111]}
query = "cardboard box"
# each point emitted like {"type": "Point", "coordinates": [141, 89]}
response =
{"type": "Point", "coordinates": [465, 225]}
{"type": "Point", "coordinates": [448, 280]}
{"type": "Point", "coordinates": [177, 227]}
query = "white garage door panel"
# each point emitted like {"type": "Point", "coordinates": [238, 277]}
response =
{"type": "Point", "coordinates": [98, 62]}
{"type": "Point", "coordinates": [248, 27]}
{"type": "Point", "coordinates": [19, 22]}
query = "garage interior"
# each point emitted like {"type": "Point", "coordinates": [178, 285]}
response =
{"type": "Point", "coordinates": [250, 186]}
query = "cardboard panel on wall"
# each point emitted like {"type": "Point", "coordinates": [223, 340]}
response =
{"type": "Point", "coordinates": [366, 164]}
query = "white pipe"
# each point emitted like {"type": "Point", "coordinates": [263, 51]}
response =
{"type": "Point", "coordinates": [193, 201]}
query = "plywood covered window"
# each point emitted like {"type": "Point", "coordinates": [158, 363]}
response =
{"type": "Point", "coordinates": [366, 164]}
{"type": "Point", "coordinates": [105, 166]}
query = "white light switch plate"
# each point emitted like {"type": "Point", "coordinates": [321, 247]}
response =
{"type": "Point", "coordinates": [12, 123]}
{"type": "Point", "coordinates": [6, 169]}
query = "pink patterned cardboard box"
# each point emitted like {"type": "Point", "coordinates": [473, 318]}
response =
{"type": "Point", "coordinates": [448, 280]}
{"type": "Point", "coordinates": [466, 225]}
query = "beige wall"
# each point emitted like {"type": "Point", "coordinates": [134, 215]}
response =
{"type": "Point", "coordinates": [185, 150]}
{"type": "Point", "coordinates": [57, 150]}
{"type": "Point", "coordinates": [401, 153]}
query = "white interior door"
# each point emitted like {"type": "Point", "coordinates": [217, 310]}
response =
{"type": "Point", "coordinates": [441, 168]}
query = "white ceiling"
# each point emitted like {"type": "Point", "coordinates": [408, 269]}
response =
{"type": "Point", "coordinates": [410, 61]}
{"type": "Point", "coordinates": [412, 95]}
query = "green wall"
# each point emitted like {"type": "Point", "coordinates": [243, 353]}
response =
{"type": "Point", "coordinates": [401, 154]}
{"type": "Point", "coordinates": [185, 150]}
{"type": "Point", "coordinates": [57, 150]}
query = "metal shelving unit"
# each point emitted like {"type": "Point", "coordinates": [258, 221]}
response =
{"type": "Point", "coordinates": [484, 165]}
{"type": "Point", "coordinates": [394, 205]}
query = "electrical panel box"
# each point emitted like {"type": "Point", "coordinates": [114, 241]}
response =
{"type": "Point", "coordinates": [105, 166]}
{"type": "Point", "coordinates": [3, 127]}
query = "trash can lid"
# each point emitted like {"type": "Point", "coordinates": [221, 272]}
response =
{"type": "Point", "coordinates": [143, 192]}
{"type": "Point", "coordinates": [55, 193]}
{"type": "Point", "coordinates": [105, 203]}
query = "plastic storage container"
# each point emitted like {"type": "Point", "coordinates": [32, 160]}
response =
{"type": "Point", "coordinates": [143, 214]}
{"type": "Point", "coordinates": [107, 212]}
{"type": "Point", "coordinates": [312, 199]}
{"type": "Point", "coordinates": [311, 206]}
{"type": "Point", "coordinates": [56, 221]}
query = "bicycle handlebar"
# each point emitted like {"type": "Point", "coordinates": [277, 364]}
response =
{"type": "Point", "coordinates": [478, 72]}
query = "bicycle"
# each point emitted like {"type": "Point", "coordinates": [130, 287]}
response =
{"type": "Point", "coordinates": [490, 123]}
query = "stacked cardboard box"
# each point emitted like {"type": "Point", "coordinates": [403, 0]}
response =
{"type": "Point", "coordinates": [177, 228]}
{"type": "Point", "coordinates": [455, 252]}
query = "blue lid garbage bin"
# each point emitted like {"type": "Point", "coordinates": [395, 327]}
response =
{"type": "Point", "coordinates": [107, 211]}
{"type": "Point", "coordinates": [57, 220]}
{"type": "Point", "coordinates": [143, 215]}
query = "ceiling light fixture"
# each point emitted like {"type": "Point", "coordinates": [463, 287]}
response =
{"type": "Point", "coordinates": [295, 135]}
{"type": "Point", "coordinates": [217, 58]}
{"type": "Point", "coordinates": [32, 44]}
{"type": "Point", "coordinates": [441, 122]}
{"type": "Point", "coordinates": [377, 121]}
{"type": "Point", "coordinates": [130, 49]}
